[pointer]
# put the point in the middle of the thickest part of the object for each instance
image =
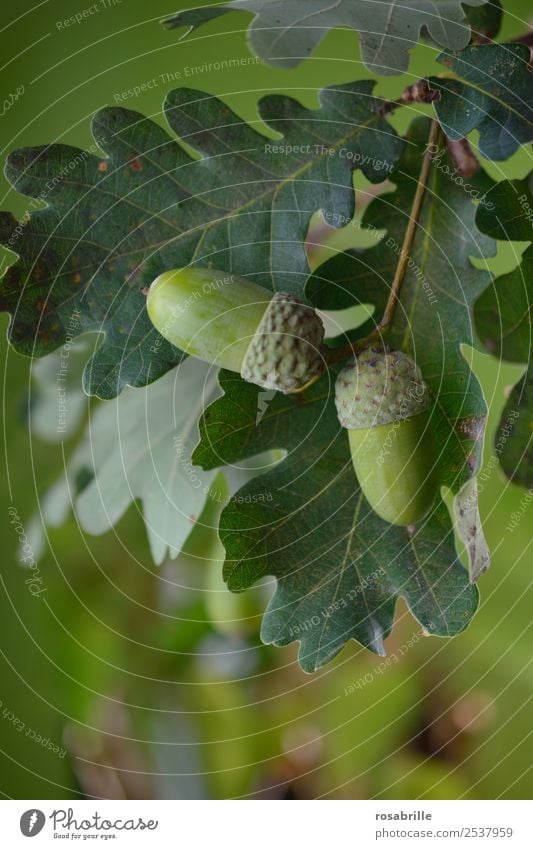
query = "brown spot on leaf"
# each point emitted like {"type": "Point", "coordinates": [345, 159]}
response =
{"type": "Point", "coordinates": [471, 427]}
{"type": "Point", "coordinates": [102, 166]}
{"type": "Point", "coordinates": [135, 164]}
{"type": "Point", "coordinates": [471, 463]}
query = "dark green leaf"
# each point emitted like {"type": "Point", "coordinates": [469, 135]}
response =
{"type": "Point", "coordinates": [503, 321]}
{"type": "Point", "coordinates": [340, 569]}
{"type": "Point", "coordinates": [112, 224]}
{"type": "Point", "coordinates": [495, 98]}
{"type": "Point", "coordinates": [262, 197]}
{"type": "Point", "coordinates": [507, 211]}
{"type": "Point", "coordinates": [331, 287]}
{"type": "Point", "coordinates": [284, 32]}
{"type": "Point", "coordinates": [514, 437]}
{"type": "Point", "coordinates": [503, 313]}
{"type": "Point", "coordinates": [485, 21]}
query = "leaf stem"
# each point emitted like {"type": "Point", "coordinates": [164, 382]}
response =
{"type": "Point", "coordinates": [338, 354]}
{"type": "Point", "coordinates": [410, 231]}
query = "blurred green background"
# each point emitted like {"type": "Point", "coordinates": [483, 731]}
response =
{"type": "Point", "coordinates": [129, 671]}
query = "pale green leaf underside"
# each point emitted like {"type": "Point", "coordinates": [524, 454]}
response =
{"type": "Point", "coordinates": [284, 32]}
{"type": "Point", "coordinates": [141, 445]}
{"type": "Point", "coordinates": [138, 447]}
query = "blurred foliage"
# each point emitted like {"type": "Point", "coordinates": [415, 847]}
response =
{"type": "Point", "coordinates": [120, 660]}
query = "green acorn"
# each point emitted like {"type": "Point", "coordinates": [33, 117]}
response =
{"type": "Point", "coordinates": [384, 403]}
{"type": "Point", "coordinates": [274, 341]}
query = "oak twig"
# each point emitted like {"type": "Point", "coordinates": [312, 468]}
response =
{"type": "Point", "coordinates": [338, 354]}
{"type": "Point", "coordinates": [465, 160]}
{"type": "Point", "coordinates": [419, 92]}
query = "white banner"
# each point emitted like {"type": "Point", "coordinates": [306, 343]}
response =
{"type": "Point", "coordinates": [254, 825]}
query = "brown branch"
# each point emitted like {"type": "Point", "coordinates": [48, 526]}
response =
{"type": "Point", "coordinates": [464, 158]}
{"type": "Point", "coordinates": [525, 38]}
{"type": "Point", "coordinates": [412, 225]}
{"type": "Point", "coordinates": [338, 354]}
{"type": "Point", "coordinates": [419, 92]}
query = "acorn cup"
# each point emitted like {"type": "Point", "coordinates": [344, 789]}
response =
{"type": "Point", "coordinates": [383, 401]}
{"type": "Point", "coordinates": [272, 340]}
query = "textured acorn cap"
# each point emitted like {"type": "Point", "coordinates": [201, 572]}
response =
{"type": "Point", "coordinates": [379, 387]}
{"type": "Point", "coordinates": [286, 351]}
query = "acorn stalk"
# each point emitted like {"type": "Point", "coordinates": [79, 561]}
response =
{"type": "Point", "coordinates": [272, 340]}
{"type": "Point", "coordinates": [384, 403]}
